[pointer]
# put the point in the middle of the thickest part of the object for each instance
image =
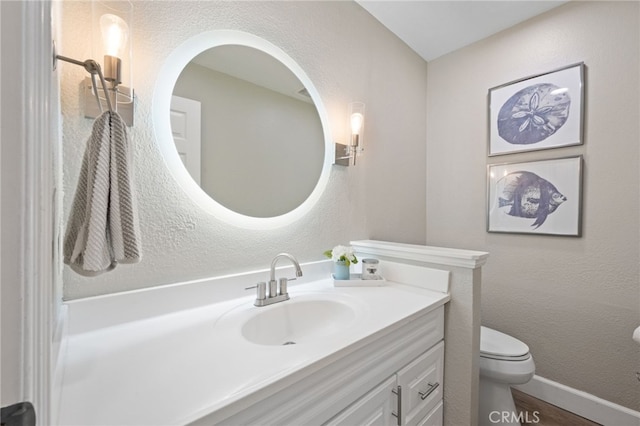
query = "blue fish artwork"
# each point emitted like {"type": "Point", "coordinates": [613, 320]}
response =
{"type": "Point", "coordinates": [533, 114]}
{"type": "Point", "coordinates": [528, 196]}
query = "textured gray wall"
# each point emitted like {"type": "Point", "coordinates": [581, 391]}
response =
{"type": "Point", "coordinates": [574, 301]}
{"type": "Point", "coordinates": [347, 54]}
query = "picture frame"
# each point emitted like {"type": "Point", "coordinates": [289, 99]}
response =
{"type": "Point", "coordinates": [542, 197]}
{"type": "Point", "coordinates": [538, 112]}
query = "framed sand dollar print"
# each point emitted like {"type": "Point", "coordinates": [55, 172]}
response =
{"type": "Point", "coordinates": [539, 112]}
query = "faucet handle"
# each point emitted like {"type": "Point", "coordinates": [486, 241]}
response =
{"type": "Point", "coordinates": [283, 285]}
{"type": "Point", "coordinates": [261, 290]}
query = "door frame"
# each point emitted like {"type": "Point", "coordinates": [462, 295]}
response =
{"type": "Point", "coordinates": [30, 121]}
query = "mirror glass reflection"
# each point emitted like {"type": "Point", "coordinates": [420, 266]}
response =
{"type": "Point", "coordinates": [247, 131]}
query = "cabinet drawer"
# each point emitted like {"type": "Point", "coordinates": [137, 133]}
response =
{"type": "Point", "coordinates": [422, 382]}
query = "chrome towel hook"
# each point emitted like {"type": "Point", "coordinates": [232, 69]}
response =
{"type": "Point", "coordinates": [93, 68]}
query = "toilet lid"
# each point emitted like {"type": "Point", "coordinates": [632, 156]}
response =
{"type": "Point", "coordinates": [494, 344]}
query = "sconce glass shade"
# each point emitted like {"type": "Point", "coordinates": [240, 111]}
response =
{"type": "Point", "coordinates": [115, 34]}
{"type": "Point", "coordinates": [345, 155]}
{"type": "Point", "coordinates": [111, 40]}
{"type": "Point", "coordinates": [356, 123]}
{"type": "Point", "coordinates": [356, 126]}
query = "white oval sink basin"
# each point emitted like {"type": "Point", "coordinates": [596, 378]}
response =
{"type": "Point", "coordinates": [293, 322]}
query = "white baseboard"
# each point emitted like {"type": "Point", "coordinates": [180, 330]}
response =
{"type": "Point", "coordinates": [581, 403]}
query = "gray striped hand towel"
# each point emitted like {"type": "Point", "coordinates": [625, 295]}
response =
{"type": "Point", "coordinates": [102, 229]}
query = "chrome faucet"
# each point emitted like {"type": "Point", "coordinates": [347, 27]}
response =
{"type": "Point", "coordinates": [277, 289]}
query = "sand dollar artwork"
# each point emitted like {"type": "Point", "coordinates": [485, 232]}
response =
{"type": "Point", "coordinates": [533, 114]}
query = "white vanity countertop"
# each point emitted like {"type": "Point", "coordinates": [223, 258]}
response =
{"type": "Point", "coordinates": [175, 368]}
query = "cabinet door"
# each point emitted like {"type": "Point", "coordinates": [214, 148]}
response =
{"type": "Point", "coordinates": [421, 382]}
{"type": "Point", "coordinates": [434, 418]}
{"type": "Point", "coordinates": [374, 408]}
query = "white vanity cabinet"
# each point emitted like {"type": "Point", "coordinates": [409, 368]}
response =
{"type": "Point", "coordinates": [345, 370]}
{"type": "Point", "coordinates": [412, 396]}
{"type": "Point", "coordinates": [360, 387]}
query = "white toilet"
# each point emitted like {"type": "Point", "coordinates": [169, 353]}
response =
{"type": "Point", "coordinates": [504, 361]}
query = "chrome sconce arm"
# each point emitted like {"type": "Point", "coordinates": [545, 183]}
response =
{"type": "Point", "coordinates": [93, 90]}
{"type": "Point", "coordinates": [93, 68]}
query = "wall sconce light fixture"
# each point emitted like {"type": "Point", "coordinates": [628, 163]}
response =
{"type": "Point", "coordinates": [115, 36]}
{"type": "Point", "coordinates": [111, 41]}
{"type": "Point", "coordinates": [345, 155]}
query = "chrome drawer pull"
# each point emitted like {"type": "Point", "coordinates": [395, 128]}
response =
{"type": "Point", "coordinates": [432, 387]}
{"type": "Point", "coordinates": [398, 414]}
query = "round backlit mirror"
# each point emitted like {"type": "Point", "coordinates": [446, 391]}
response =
{"type": "Point", "coordinates": [242, 129]}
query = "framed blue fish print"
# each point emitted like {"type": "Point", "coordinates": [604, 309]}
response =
{"type": "Point", "coordinates": [540, 112]}
{"type": "Point", "coordinates": [537, 197]}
